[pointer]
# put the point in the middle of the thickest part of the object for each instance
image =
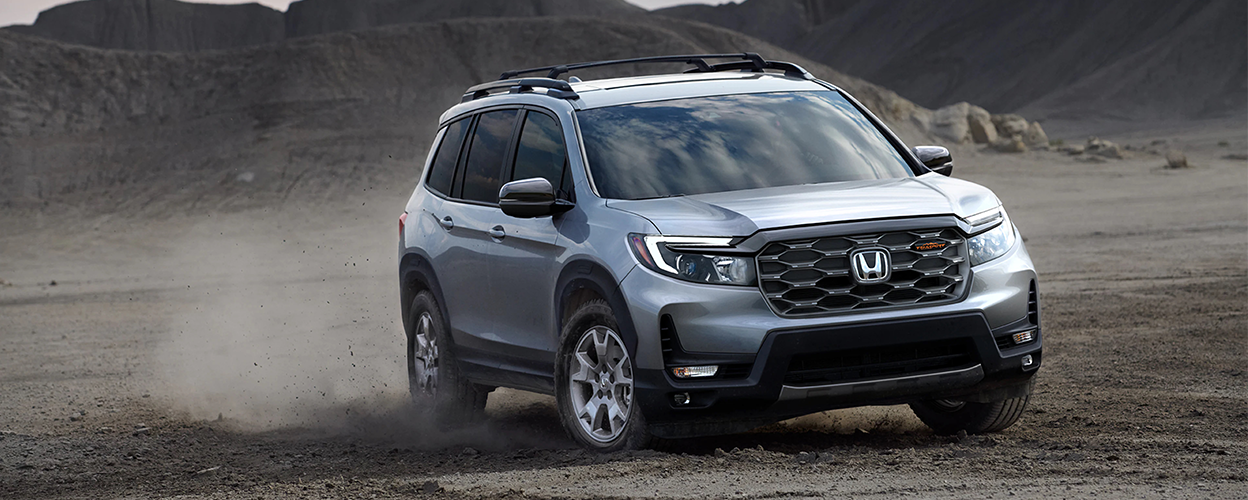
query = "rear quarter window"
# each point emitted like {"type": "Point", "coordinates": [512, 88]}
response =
{"type": "Point", "coordinates": [442, 169]}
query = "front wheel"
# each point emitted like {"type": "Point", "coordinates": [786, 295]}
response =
{"type": "Point", "coordinates": [594, 383]}
{"type": "Point", "coordinates": [947, 416]}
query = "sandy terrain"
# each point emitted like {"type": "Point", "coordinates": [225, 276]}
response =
{"type": "Point", "coordinates": [258, 353]}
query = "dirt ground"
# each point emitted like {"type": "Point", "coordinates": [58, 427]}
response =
{"type": "Point", "coordinates": [259, 354]}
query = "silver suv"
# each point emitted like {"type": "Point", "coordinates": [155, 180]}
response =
{"type": "Point", "coordinates": [703, 253]}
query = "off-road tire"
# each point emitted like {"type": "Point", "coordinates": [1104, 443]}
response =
{"type": "Point", "coordinates": [634, 434]}
{"type": "Point", "coordinates": [456, 401]}
{"type": "Point", "coordinates": [974, 418]}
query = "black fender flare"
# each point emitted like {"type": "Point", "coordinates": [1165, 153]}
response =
{"type": "Point", "coordinates": [584, 274]}
{"type": "Point", "coordinates": [415, 275]}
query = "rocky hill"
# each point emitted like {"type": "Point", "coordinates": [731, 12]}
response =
{"type": "Point", "coordinates": [1114, 59]}
{"type": "Point", "coordinates": [315, 17]}
{"type": "Point", "coordinates": [309, 117]}
{"type": "Point", "coordinates": [166, 25]}
{"type": "Point", "coordinates": [175, 26]}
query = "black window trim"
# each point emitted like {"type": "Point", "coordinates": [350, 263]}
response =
{"type": "Point", "coordinates": [456, 194]}
{"type": "Point", "coordinates": [459, 157]}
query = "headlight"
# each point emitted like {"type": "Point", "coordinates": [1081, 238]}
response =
{"type": "Point", "coordinates": [679, 257]}
{"type": "Point", "coordinates": [994, 242]}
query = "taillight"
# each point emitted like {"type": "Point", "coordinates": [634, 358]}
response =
{"type": "Point", "coordinates": [402, 223]}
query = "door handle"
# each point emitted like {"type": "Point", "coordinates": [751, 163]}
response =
{"type": "Point", "coordinates": [447, 223]}
{"type": "Point", "coordinates": [497, 232]}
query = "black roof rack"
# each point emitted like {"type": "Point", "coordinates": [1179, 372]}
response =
{"type": "Point", "coordinates": [557, 88]}
{"type": "Point", "coordinates": [745, 61]}
{"type": "Point", "coordinates": [749, 60]}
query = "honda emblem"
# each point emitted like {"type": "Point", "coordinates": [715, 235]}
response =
{"type": "Point", "coordinates": [871, 265]}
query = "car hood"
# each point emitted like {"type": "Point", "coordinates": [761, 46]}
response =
{"type": "Point", "coordinates": [742, 213]}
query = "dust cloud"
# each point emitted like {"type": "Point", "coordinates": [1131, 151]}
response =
{"type": "Point", "coordinates": [283, 328]}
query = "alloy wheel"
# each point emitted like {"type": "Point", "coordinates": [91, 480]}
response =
{"type": "Point", "coordinates": [426, 362]}
{"type": "Point", "coordinates": [601, 384]}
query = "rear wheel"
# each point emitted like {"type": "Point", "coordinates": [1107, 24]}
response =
{"type": "Point", "coordinates": [594, 383]}
{"type": "Point", "coordinates": [948, 416]}
{"type": "Point", "coordinates": [434, 379]}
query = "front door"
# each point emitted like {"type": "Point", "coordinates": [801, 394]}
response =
{"type": "Point", "coordinates": [525, 255]}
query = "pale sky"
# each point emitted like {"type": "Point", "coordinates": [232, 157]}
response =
{"type": "Point", "coordinates": [25, 11]}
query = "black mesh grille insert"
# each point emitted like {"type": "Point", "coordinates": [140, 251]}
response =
{"type": "Point", "coordinates": [879, 362]}
{"type": "Point", "coordinates": [1033, 305]}
{"type": "Point", "coordinates": [667, 338]}
{"type": "Point", "coordinates": [810, 277]}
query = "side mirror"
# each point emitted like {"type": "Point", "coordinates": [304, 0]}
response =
{"type": "Point", "coordinates": [529, 198]}
{"type": "Point", "coordinates": [936, 158]}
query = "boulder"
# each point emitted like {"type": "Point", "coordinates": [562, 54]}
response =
{"type": "Point", "coordinates": [1009, 125]}
{"type": "Point", "coordinates": [1100, 147]}
{"type": "Point", "coordinates": [1073, 149]}
{"type": "Point", "coordinates": [1035, 137]}
{"type": "Point", "coordinates": [950, 123]}
{"type": "Point", "coordinates": [1176, 159]}
{"type": "Point", "coordinates": [1012, 144]}
{"type": "Point", "coordinates": [980, 123]}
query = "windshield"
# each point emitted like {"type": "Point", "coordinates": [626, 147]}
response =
{"type": "Point", "coordinates": [733, 142]}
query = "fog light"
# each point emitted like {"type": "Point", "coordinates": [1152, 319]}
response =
{"type": "Point", "coordinates": [1027, 361]}
{"type": "Point", "coordinates": [1024, 337]}
{"type": "Point", "coordinates": [695, 371]}
{"type": "Point", "coordinates": [681, 399]}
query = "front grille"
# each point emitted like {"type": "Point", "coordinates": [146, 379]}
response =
{"type": "Point", "coordinates": [879, 362]}
{"type": "Point", "coordinates": [811, 277]}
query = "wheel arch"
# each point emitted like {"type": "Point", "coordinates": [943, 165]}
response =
{"type": "Point", "coordinates": [583, 280]}
{"type": "Point", "coordinates": [416, 275]}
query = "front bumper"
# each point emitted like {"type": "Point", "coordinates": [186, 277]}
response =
{"type": "Point", "coordinates": [777, 368]}
{"type": "Point", "coordinates": [970, 367]}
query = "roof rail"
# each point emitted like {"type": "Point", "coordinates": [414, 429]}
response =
{"type": "Point", "coordinates": [790, 70]}
{"type": "Point", "coordinates": [556, 88]}
{"type": "Point", "coordinates": [747, 61]}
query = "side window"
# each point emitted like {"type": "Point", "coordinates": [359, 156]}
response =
{"type": "Point", "coordinates": [442, 169]}
{"type": "Point", "coordinates": [484, 167]}
{"type": "Point", "coordinates": [541, 152]}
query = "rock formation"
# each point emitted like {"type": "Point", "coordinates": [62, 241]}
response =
{"type": "Point", "coordinates": [1006, 133]}
{"type": "Point", "coordinates": [164, 25]}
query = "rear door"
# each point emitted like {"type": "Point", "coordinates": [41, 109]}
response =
{"type": "Point", "coordinates": [468, 214]}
